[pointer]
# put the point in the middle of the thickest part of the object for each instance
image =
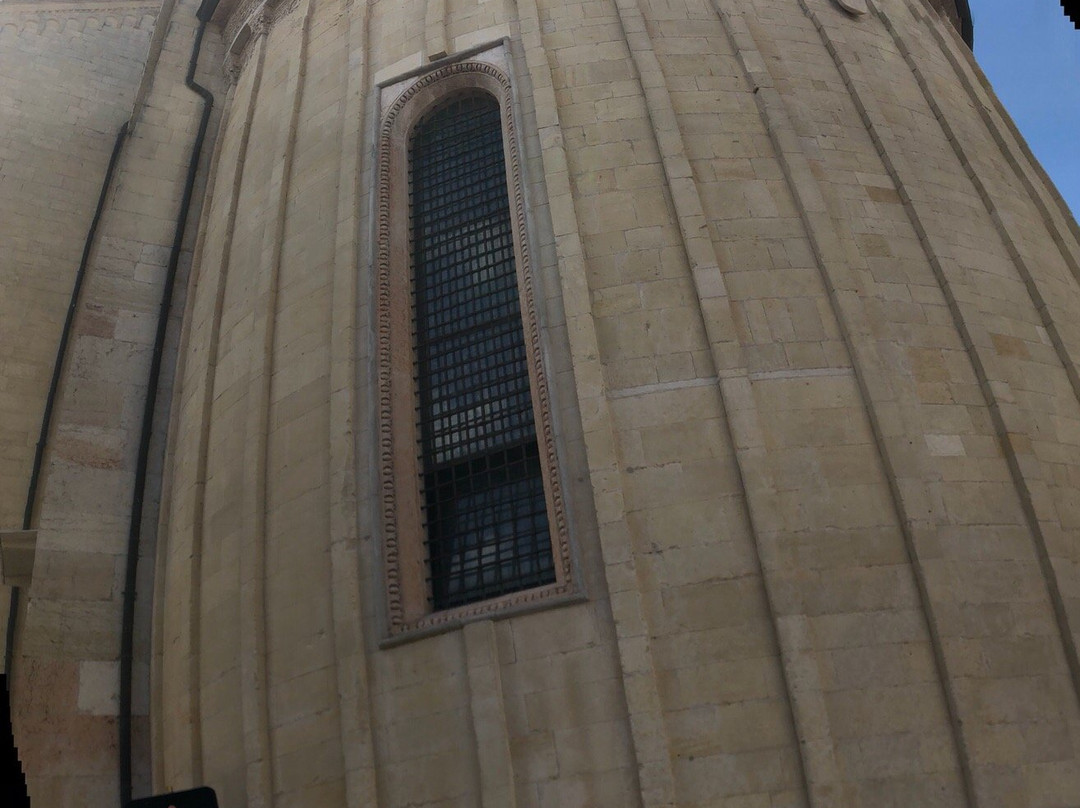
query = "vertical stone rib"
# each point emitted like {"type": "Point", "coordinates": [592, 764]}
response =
{"type": "Point", "coordinates": [488, 713]}
{"type": "Point", "coordinates": [205, 411]}
{"type": "Point", "coordinates": [970, 75]}
{"type": "Point", "coordinates": [258, 736]}
{"type": "Point", "coordinates": [1009, 420]}
{"type": "Point", "coordinates": [351, 659]}
{"type": "Point", "coordinates": [1008, 150]}
{"type": "Point", "coordinates": [631, 631]}
{"type": "Point", "coordinates": [713, 303]}
{"type": "Point", "coordinates": [1000, 224]}
{"type": "Point", "coordinates": [157, 751]}
{"type": "Point", "coordinates": [251, 576]}
{"type": "Point", "coordinates": [1029, 498]}
{"type": "Point", "coordinates": [879, 396]}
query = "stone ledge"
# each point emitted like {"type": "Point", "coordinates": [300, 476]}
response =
{"type": "Point", "coordinates": [80, 6]}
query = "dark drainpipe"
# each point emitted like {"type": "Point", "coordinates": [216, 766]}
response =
{"type": "Point", "coordinates": [54, 385]}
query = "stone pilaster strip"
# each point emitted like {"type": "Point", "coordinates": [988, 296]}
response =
{"type": "Point", "coordinates": [1013, 426]}
{"type": "Point", "coordinates": [1068, 247]}
{"type": "Point", "coordinates": [348, 606]}
{"type": "Point", "coordinates": [203, 409]}
{"type": "Point", "coordinates": [971, 75]}
{"type": "Point", "coordinates": [631, 628]}
{"type": "Point", "coordinates": [711, 294]}
{"type": "Point", "coordinates": [889, 409]}
{"type": "Point", "coordinates": [165, 510]}
{"type": "Point", "coordinates": [488, 712]}
{"type": "Point", "coordinates": [1010, 421]}
{"type": "Point", "coordinates": [254, 708]}
{"type": "Point", "coordinates": [258, 738]}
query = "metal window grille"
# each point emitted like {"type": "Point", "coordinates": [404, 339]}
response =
{"type": "Point", "coordinates": [484, 505]}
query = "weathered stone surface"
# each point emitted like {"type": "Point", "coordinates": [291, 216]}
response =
{"type": "Point", "coordinates": [810, 317]}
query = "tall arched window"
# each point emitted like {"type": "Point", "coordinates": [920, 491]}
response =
{"type": "Point", "coordinates": [473, 517]}
{"type": "Point", "coordinates": [485, 514]}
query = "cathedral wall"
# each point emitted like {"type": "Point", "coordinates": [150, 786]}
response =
{"type": "Point", "coordinates": [813, 388]}
{"type": "Point", "coordinates": [66, 666]}
{"type": "Point", "coordinates": [979, 265]}
{"type": "Point", "coordinates": [829, 530]}
{"type": "Point", "coordinates": [68, 75]}
{"type": "Point", "coordinates": [258, 316]}
{"type": "Point", "coordinates": [684, 518]}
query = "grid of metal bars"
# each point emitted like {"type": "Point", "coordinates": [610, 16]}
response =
{"type": "Point", "coordinates": [484, 505]}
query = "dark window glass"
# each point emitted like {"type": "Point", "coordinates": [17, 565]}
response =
{"type": "Point", "coordinates": [484, 505]}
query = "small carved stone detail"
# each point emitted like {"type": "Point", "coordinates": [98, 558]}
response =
{"type": "Point", "coordinates": [852, 6]}
{"type": "Point", "coordinates": [259, 16]}
{"type": "Point", "coordinates": [240, 60]}
{"type": "Point", "coordinates": [233, 66]}
{"type": "Point", "coordinates": [284, 9]}
{"type": "Point", "coordinates": [73, 19]}
{"type": "Point", "coordinates": [239, 18]}
{"type": "Point", "coordinates": [545, 427]}
{"type": "Point", "coordinates": [260, 24]}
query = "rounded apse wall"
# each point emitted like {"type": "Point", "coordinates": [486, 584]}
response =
{"type": "Point", "coordinates": [802, 316]}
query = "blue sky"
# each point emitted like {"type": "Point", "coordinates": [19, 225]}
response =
{"type": "Point", "coordinates": [1030, 51]}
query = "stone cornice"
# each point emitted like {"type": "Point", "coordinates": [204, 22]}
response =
{"type": "Point", "coordinates": [75, 16]}
{"type": "Point", "coordinates": [87, 7]}
{"type": "Point", "coordinates": [257, 17]}
{"type": "Point", "coordinates": [243, 12]}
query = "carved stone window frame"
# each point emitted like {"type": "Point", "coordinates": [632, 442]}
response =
{"type": "Point", "coordinates": [403, 539]}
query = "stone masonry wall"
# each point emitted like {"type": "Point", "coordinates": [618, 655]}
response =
{"type": "Point", "coordinates": [810, 314]}
{"type": "Point", "coordinates": [68, 76]}
{"type": "Point", "coordinates": [797, 489]}
{"type": "Point", "coordinates": [66, 665]}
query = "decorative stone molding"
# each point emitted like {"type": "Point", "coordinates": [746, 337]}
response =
{"type": "Point", "coordinates": [232, 66]}
{"type": "Point", "coordinates": [240, 49]}
{"type": "Point", "coordinates": [284, 9]}
{"type": "Point", "coordinates": [71, 18]}
{"type": "Point", "coordinates": [403, 542]}
{"type": "Point", "coordinates": [107, 8]}
{"type": "Point", "coordinates": [244, 12]}
{"type": "Point", "coordinates": [853, 6]}
{"type": "Point", "coordinates": [955, 12]}
{"type": "Point", "coordinates": [260, 23]}
{"type": "Point", "coordinates": [252, 19]}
